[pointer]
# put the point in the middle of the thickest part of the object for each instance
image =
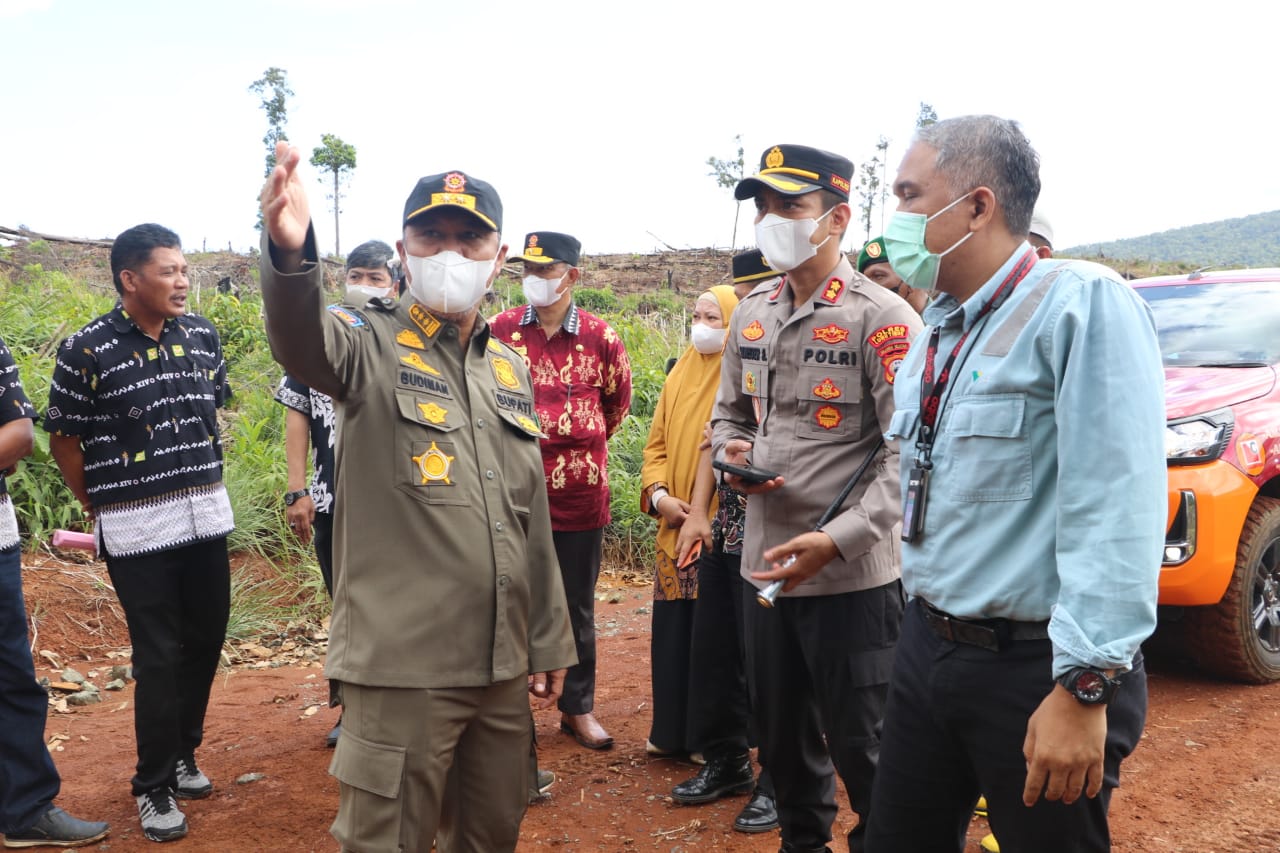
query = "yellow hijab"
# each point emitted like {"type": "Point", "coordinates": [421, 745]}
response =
{"type": "Point", "coordinates": [683, 409]}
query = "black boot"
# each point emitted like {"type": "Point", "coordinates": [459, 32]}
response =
{"type": "Point", "coordinates": [718, 777]}
{"type": "Point", "coordinates": [760, 814]}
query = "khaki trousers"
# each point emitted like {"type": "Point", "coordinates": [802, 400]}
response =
{"type": "Point", "coordinates": [398, 750]}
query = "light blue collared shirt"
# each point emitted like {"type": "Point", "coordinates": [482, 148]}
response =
{"type": "Point", "coordinates": [1048, 493]}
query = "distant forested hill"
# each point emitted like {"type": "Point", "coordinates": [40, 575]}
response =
{"type": "Point", "coordinates": [1250, 241]}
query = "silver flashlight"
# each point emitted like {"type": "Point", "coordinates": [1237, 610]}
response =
{"type": "Point", "coordinates": [766, 596]}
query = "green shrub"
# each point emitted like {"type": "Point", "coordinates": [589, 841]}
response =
{"type": "Point", "coordinates": [40, 307]}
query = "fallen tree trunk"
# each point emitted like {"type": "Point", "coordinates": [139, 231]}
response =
{"type": "Point", "coordinates": [24, 234]}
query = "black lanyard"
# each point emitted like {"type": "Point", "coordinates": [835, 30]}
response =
{"type": "Point", "coordinates": [931, 388]}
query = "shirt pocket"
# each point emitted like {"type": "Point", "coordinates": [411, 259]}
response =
{"type": "Point", "coordinates": [903, 426]}
{"type": "Point", "coordinates": [828, 404]}
{"type": "Point", "coordinates": [427, 450]}
{"type": "Point", "coordinates": [988, 448]}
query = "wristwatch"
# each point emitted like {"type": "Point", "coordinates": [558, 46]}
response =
{"type": "Point", "coordinates": [1089, 686]}
{"type": "Point", "coordinates": [290, 497]}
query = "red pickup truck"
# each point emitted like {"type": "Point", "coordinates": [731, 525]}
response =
{"type": "Point", "coordinates": [1220, 338]}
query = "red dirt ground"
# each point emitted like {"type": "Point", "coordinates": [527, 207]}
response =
{"type": "Point", "coordinates": [1206, 777]}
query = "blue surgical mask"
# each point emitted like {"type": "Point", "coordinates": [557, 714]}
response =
{"type": "Point", "coordinates": [908, 255]}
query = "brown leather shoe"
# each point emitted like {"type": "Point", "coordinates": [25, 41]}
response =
{"type": "Point", "coordinates": [586, 730]}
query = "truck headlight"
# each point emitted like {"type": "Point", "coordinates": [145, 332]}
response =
{"type": "Point", "coordinates": [1198, 439]}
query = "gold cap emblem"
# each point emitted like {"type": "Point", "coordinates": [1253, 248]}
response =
{"type": "Point", "coordinates": [773, 159]}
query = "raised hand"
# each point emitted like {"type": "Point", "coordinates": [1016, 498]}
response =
{"type": "Point", "coordinates": [286, 214]}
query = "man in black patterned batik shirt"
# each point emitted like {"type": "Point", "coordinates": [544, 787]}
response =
{"type": "Point", "coordinates": [132, 418]}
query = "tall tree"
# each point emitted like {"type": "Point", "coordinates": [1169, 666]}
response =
{"type": "Point", "coordinates": [871, 187]}
{"type": "Point", "coordinates": [273, 88]}
{"type": "Point", "coordinates": [338, 158]}
{"type": "Point", "coordinates": [727, 174]}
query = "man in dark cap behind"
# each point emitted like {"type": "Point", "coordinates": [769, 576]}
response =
{"type": "Point", "coordinates": [873, 262]}
{"type": "Point", "coordinates": [806, 390]}
{"type": "Point", "coordinates": [448, 604]}
{"type": "Point", "coordinates": [310, 420]}
{"type": "Point", "coordinates": [581, 393]}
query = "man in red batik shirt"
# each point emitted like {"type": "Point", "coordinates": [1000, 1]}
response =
{"type": "Point", "coordinates": [582, 391]}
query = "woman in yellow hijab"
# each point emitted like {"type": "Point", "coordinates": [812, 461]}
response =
{"type": "Point", "coordinates": [668, 476]}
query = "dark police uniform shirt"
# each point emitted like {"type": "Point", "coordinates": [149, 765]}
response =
{"type": "Point", "coordinates": [145, 413]}
{"type": "Point", "coordinates": [13, 405]}
{"type": "Point", "coordinates": [320, 413]}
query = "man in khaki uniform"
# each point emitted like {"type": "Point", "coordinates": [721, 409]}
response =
{"type": "Point", "coordinates": [447, 595]}
{"type": "Point", "coordinates": [806, 391]}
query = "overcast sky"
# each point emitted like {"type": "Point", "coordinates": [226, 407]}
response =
{"type": "Point", "coordinates": [598, 118]}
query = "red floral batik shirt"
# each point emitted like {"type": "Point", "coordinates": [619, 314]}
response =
{"type": "Point", "coordinates": [582, 391]}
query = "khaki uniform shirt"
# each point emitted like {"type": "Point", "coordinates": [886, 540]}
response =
{"type": "Point", "coordinates": [812, 387]}
{"type": "Point", "coordinates": [444, 570]}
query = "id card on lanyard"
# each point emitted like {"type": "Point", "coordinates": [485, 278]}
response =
{"type": "Point", "coordinates": [932, 390]}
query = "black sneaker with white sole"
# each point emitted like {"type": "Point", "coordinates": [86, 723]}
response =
{"type": "Point", "coordinates": [192, 784]}
{"type": "Point", "coordinates": [161, 819]}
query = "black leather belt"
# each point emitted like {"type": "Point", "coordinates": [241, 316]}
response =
{"type": "Point", "coordinates": [991, 634]}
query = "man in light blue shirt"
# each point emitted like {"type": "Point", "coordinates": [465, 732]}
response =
{"type": "Point", "coordinates": [1030, 417]}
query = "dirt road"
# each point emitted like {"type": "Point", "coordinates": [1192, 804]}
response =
{"type": "Point", "coordinates": [1206, 777]}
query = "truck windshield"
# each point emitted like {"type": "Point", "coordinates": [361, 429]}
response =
{"type": "Point", "coordinates": [1225, 324]}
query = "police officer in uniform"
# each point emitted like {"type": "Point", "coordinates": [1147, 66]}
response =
{"type": "Point", "coordinates": [806, 392]}
{"type": "Point", "coordinates": [439, 628]}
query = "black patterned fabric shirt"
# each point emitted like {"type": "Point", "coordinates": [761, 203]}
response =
{"type": "Point", "coordinates": [145, 413]}
{"type": "Point", "coordinates": [13, 405]}
{"type": "Point", "coordinates": [318, 408]}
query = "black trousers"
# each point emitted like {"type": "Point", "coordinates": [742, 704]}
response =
{"type": "Point", "coordinates": [669, 641]}
{"type": "Point", "coordinates": [579, 554]}
{"type": "Point", "coordinates": [28, 780]}
{"type": "Point", "coordinates": [322, 537]}
{"type": "Point", "coordinates": [322, 533]}
{"type": "Point", "coordinates": [954, 728]}
{"type": "Point", "coordinates": [818, 675]}
{"type": "Point", "coordinates": [176, 603]}
{"type": "Point", "coordinates": [719, 707]}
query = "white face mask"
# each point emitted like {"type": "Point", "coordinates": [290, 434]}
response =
{"type": "Point", "coordinates": [447, 282]}
{"type": "Point", "coordinates": [785, 242]}
{"type": "Point", "coordinates": [707, 340]}
{"type": "Point", "coordinates": [360, 294]}
{"type": "Point", "coordinates": [541, 292]}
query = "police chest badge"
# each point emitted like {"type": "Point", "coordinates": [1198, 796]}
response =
{"type": "Point", "coordinates": [827, 390]}
{"type": "Point", "coordinates": [828, 417]}
{"type": "Point", "coordinates": [754, 331]}
{"type": "Point", "coordinates": [831, 334]}
{"type": "Point", "coordinates": [432, 413]}
{"type": "Point", "coordinates": [505, 372]}
{"type": "Point", "coordinates": [434, 464]}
